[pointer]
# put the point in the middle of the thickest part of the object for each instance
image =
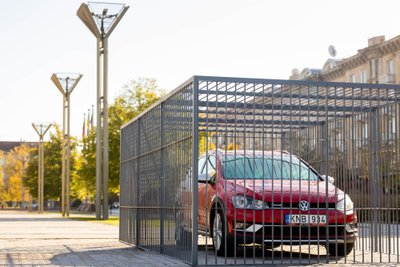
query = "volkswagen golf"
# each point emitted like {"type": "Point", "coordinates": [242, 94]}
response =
{"type": "Point", "coordinates": [271, 198]}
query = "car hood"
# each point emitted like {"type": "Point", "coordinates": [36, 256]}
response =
{"type": "Point", "coordinates": [289, 190]}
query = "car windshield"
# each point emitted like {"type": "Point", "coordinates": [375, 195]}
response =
{"type": "Point", "coordinates": [284, 167]}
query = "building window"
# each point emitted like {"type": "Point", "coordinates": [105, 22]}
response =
{"type": "Point", "coordinates": [390, 71]}
{"type": "Point", "coordinates": [363, 134]}
{"type": "Point", "coordinates": [352, 78]}
{"type": "Point", "coordinates": [371, 74]}
{"type": "Point", "coordinates": [376, 70]}
{"type": "Point", "coordinates": [392, 129]}
{"type": "Point", "coordinates": [363, 77]}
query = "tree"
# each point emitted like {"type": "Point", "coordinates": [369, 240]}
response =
{"type": "Point", "coordinates": [15, 168]}
{"type": "Point", "coordinates": [2, 188]}
{"type": "Point", "coordinates": [134, 98]}
{"type": "Point", "coordinates": [84, 183]}
{"type": "Point", "coordinates": [52, 166]}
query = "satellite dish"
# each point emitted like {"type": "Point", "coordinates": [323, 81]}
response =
{"type": "Point", "coordinates": [332, 51]}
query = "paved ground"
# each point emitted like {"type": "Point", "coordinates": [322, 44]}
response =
{"type": "Point", "coordinates": [29, 239]}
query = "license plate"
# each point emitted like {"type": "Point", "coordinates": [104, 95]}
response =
{"type": "Point", "coordinates": [305, 219]}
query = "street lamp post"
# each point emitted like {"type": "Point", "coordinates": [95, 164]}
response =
{"type": "Point", "coordinates": [41, 130]}
{"type": "Point", "coordinates": [101, 19]}
{"type": "Point", "coordinates": [66, 83]}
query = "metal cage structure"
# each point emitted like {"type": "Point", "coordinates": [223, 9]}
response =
{"type": "Point", "coordinates": [239, 171]}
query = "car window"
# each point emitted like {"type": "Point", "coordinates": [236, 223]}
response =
{"type": "Point", "coordinates": [279, 168]}
{"type": "Point", "coordinates": [210, 167]}
{"type": "Point", "coordinates": [202, 160]}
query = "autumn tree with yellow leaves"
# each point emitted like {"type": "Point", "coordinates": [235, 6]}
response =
{"type": "Point", "coordinates": [12, 188]}
{"type": "Point", "coordinates": [2, 188]}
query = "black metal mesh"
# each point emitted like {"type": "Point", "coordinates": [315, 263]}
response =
{"type": "Point", "coordinates": [156, 153]}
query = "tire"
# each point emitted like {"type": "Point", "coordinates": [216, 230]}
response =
{"type": "Point", "coordinates": [340, 250]}
{"type": "Point", "coordinates": [183, 237]}
{"type": "Point", "coordinates": [219, 237]}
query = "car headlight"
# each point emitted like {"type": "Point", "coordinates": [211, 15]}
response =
{"type": "Point", "coordinates": [348, 209]}
{"type": "Point", "coordinates": [243, 202]}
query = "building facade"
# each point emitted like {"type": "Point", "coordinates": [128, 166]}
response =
{"type": "Point", "coordinates": [379, 62]}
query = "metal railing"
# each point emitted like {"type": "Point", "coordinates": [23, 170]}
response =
{"type": "Point", "coordinates": [238, 171]}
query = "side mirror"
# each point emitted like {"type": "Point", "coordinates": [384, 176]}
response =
{"type": "Point", "coordinates": [329, 178]}
{"type": "Point", "coordinates": [206, 177]}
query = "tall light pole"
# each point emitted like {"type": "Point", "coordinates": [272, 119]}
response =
{"type": "Point", "coordinates": [24, 160]}
{"type": "Point", "coordinates": [66, 83]}
{"type": "Point", "coordinates": [101, 19]}
{"type": "Point", "coordinates": [41, 130]}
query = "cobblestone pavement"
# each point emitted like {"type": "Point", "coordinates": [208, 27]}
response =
{"type": "Point", "coordinates": [29, 239]}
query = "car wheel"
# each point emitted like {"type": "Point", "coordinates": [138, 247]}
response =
{"type": "Point", "coordinates": [219, 237]}
{"type": "Point", "coordinates": [340, 250]}
{"type": "Point", "coordinates": [183, 237]}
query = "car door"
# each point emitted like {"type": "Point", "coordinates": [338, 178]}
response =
{"type": "Point", "coordinates": [206, 193]}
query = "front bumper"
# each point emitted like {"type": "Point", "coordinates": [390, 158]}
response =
{"type": "Point", "coordinates": [291, 234]}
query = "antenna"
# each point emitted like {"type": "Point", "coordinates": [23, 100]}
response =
{"type": "Point", "coordinates": [332, 51]}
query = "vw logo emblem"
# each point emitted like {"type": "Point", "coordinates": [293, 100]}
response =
{"type": "Point", "coordinates": [304, 205]}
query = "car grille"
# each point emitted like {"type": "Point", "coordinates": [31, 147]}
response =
{"type": "Point", "coordinates": [295, 205]}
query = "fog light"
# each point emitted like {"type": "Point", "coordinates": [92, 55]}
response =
{"type": "Point", "coordinates": [241, 225]}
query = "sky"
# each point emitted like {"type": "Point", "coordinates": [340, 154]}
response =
{"type": "Point", "coordinates": [169, 40]}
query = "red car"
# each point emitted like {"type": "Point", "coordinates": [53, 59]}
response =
{"type": "Point", "coordinates": [275, 198]}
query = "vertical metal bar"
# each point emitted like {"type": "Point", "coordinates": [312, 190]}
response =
{"type": "Point", "coordinates": [318, 148]}
{"type": "Point", "coordinates": [123, 186]}
{"type": "Point", "coordinates": [195, 158]}
{"type": "Point", "coordinates": [138, 206]}
{"type": "Point", "coordinates": [290, 169]}
{"type": "Point", "coordinates": [40, 174]}
{"type": "Point", "coordinates": [379, 169]}
{"type": "Point", "coordinates": [307, 152]}
{"type": "Point", "coordinates": [298, 148]}
{"type": "Point", "coordinates": [272, 176]}
{"type": "Point", "coordinates": [364, 211]}
{"type": "Point", "coordinates": [333, 145]}
{"type": "Point", "coordinates": [63, 171]}
{"type": "Point", "coordinates": [282, 147]}
{"type": "Point", "coordinates": [254, 161]}
{"type": "Point", "coordinates": [68, 163]}
{"type": "Point", "coordinates": [340, 170]}
{"type": "Point", "coordinates": [98, 134]}
{"type": "Point", "coordinates": [105, 129]}
{"type": "Point", "coordinates": [225, 155]}
{"type": "Point", "coordinates": [352, 125]}
{"type": "Point", "coordinates": [396, 176]}
{"type": "Point", "coordinates": [42, 177]}
{"type": "Point", "coordinates": [245, 136]}
{"type": "Point", "coordinates": [208, 214]}
{"type": "Point", "coordinates": [162, 177]}
{"type": "Point", "coordinates": [326, 164]}
{"type": "Point", "coordinates": [235, 142]}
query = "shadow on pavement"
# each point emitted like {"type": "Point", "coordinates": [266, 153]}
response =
{"type": "Point", "coordinates": [32, 219]}
{"type": "Point", "coordinates": [96, 257]}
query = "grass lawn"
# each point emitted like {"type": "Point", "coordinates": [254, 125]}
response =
{"type": "Point", "coordinates": [112, 221]}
